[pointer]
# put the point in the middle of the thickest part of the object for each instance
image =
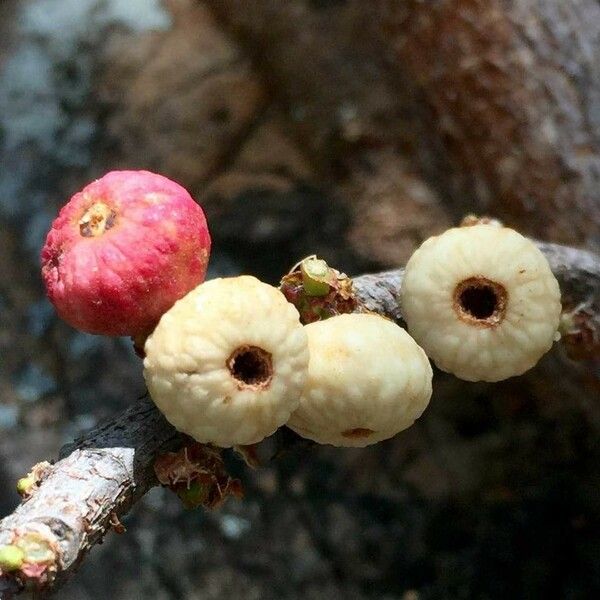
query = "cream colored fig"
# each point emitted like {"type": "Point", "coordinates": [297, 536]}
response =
{"type": "Point", "coordinates": [228, 362]}
{"type": "Point", "coordinates": [482, 302]}
{"type": "Point", "coordinates": [367, 380]}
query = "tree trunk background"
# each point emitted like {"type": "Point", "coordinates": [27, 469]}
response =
{"type": "Point", "coordinates": [355, 130]}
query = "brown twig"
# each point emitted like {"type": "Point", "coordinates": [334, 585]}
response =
{"type": "Point", "coordinates": [69, 506]}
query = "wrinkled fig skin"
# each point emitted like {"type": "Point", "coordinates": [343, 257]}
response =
{"type": "Point", "coordinates": [122, 251]}
{"type": "Point", "coordinates": [367, 381]}
{"type": "Point", "coordinates": [227, 364]}
{"type": "Point", "coordinates": [482, 301]}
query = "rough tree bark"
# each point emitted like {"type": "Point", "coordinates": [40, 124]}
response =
{"type": "Point", "coordinates": [73, 504]}
{"type": "Point", "coordinates": [347, 112]}
{"type": "Point", "coordinates": [512, 92]}
{"type": "Point", "coordinates": [98, 478]}
{"type": "Point", "coordinates": [495, 104]}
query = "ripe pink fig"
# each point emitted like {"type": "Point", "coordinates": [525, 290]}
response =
{"type": "Point", "coordinates": [122, 251]}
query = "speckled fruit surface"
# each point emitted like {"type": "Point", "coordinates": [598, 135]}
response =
{"type": "Point", "coordinates": [122, 251]}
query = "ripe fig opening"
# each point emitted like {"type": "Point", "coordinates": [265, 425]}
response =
{"type": "Point", "coordinates": [480, 301]}
{"type": "Point", "coordinates": [251, 366]}
{"type": "Point", "coordinates": [97, 219]}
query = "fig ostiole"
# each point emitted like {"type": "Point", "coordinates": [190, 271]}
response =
{"type": "Point", "coordinates": [228, 362]}
{"type": "Point", "coordinates": [482, 301]}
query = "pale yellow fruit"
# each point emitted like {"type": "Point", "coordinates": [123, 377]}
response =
{"type": "Point", "coordinates": [481, 301]}
{"type": "Point", "coordinates": [228, 362]}
{"type": "Point", "coordinates": [367, 380]}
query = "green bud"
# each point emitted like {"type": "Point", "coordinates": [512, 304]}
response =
{"type": "Point", "coordinates": [11, 558]}
{"type": "Point", "coordinates": [316, 276]}
{"type": "Point", "coordinates": [25, 484]}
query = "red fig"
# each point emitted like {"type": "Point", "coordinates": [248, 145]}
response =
{"type": "Point", "coordinates": [122, 251]}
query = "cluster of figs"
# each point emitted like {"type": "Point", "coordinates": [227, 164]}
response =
{"type": "Point", "coordinates": [230, 360]}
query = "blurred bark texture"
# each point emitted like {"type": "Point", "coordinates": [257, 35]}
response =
{"type": "Point", "coordinates": [496, 104]}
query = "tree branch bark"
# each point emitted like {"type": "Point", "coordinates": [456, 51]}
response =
{"type": "Point", "coordinates": [493, 104]}
{"type": "Point", "coordinates": [72, 504]}
{"type": "Point", "coordinates": [508, 92]}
